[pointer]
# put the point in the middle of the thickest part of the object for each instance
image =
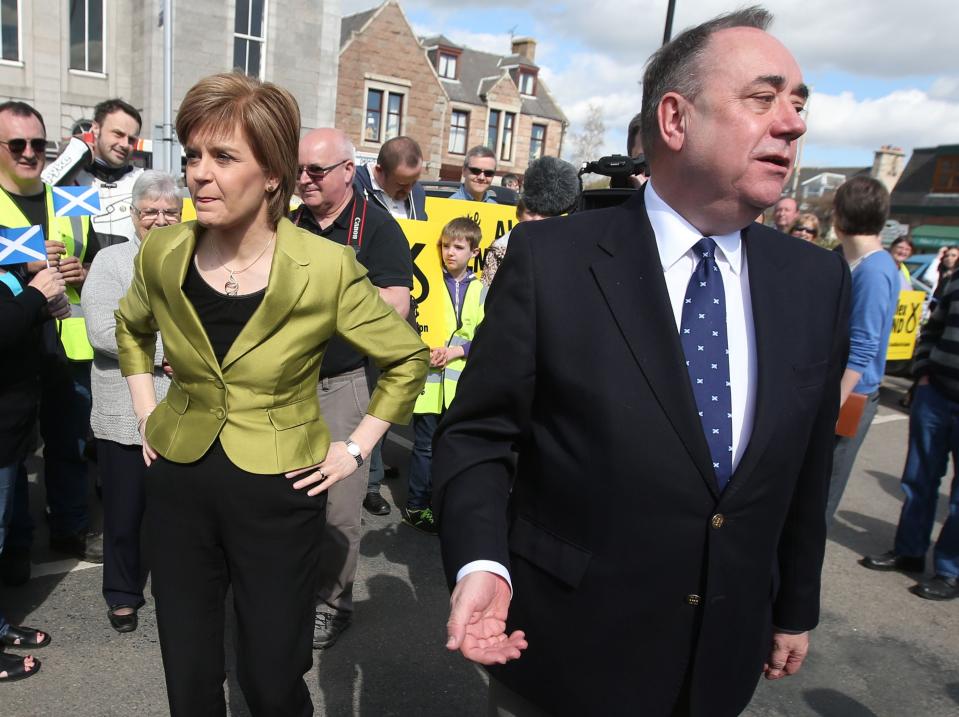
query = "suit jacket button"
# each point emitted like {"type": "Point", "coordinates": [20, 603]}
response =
{"type": "Point", "coordinates": [693, 600]}
{"type": "Point", "coordinates": [219, 413]}
{"type": "Point", "coordinates": [718, 521]}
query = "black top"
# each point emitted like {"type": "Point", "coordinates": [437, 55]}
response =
{"type": "Point", "coordinates": [222, 316]}
{"type": "Point", "coordinates": [380, 246]}
{"type": "Point", "coordinates": [20, 318]}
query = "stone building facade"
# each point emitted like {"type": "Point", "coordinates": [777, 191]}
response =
{"type": "Point", "coordinates": [70, 56]}
{"type": "Point", "coordinates": [447, 97]}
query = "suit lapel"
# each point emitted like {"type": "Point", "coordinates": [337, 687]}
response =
{"type": "Point", "coordinates": [631, 280]}
{"type": "Point", "coordinates": [770, 294]}
{"type": "Point", "coordinates": [287, 282]}
{"type": "Point", "coordinates": [172, 275]}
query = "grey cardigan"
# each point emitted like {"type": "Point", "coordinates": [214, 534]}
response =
{"type": "Point", "coordinates": [110, 276]}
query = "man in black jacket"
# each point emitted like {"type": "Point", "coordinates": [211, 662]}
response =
{"type": "Point", "coordinates": [394, 182]}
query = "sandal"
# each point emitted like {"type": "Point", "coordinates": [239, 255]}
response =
{"type": "Point", "coordinates": [24, 637]}
{"type": "Point", "coordinates": [14, 667]}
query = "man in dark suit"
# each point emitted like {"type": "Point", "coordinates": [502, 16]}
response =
{"type": "Point", "coordinates": [665, 376]}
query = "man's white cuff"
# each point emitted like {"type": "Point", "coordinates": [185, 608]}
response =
{"type": "Point", "coordinates": [489, 566]}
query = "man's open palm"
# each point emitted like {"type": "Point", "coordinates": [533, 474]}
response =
{"type": "Point", "coordinates": [477, 624]}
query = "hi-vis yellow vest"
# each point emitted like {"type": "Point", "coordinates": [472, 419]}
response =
{"type": "Point", "coordinates": [440, 385]}
{"type": "Point", "coordinates": [72, 231]}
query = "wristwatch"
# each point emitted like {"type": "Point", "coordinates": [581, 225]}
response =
{"type": "Point", "coordinates": [354, 450]}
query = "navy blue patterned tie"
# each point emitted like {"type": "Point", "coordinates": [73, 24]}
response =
{"type": "Point", "coordinates": [703, 335]}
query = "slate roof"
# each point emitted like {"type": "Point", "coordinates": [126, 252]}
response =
{"type": "Point", "coordinates": [479, 71]}
{"type": "Point", "coordinates": [353, 23]}
{"type": "Point", "coordinates": [914, 188]}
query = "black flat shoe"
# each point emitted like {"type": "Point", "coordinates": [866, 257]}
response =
{"type": "Point", "coordinates": [891, 560]}
{"type": "Point", "coordinates": [376, 504]}
{"type": "Point", "coordinates": [938, 587]}
{"type": "Point", "coordinates": [14, 667]}
{"type": "Point", "coordinates": [123, 623]}
{"type": "Point", "coordinates": [19, 637]}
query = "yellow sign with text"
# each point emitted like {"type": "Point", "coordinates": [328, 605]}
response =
{"type": "Point", "coordinates": [428, 290]}
{"type": "Point", "coordinates": [905, 325]}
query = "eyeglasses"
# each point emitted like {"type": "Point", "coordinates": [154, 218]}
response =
{"type": "Point", "coordinates": [317, 173]}
{"type": "Point", "coordinates": [151, 215]}
{"type": "Point", "coordinates": [19, 145]}
{"type": "Point", "coordinates": [476, 171]}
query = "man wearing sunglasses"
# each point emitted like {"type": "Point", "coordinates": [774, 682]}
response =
{"type": "Point", "coordinates": [479, 168]}
{"type": "Point", "coordinates": [335, 208]}
{"type": "Point", "coordinates": [116, 130]}
{"type": "Point", "coordinates": [64, 368]}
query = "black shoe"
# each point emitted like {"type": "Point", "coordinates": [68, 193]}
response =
{"type": "Point", "coordinates": [420, 518]}
{"type": "Point", "coordinates": [893, 561]}
{"type": "Point", "coordinates": [328, 626]}
{"type": "Point", "coordinates": [83, 546]}
{"type": "Point", "coordinates": [938, 587]}
{"type": "Point", "coordinates": [375, 504]}
{"type": "Point", "coordinates": [14, 566]}
{"type": "Point", "coordinates": [123, 623]}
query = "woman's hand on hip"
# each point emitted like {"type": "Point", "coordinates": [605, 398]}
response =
{"type": "Point", "coordinates": [337, 465]}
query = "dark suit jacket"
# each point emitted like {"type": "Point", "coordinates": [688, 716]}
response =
{"type": "Point", "coordinates": [631, 573]}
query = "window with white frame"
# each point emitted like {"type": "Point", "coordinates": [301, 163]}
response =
{"type": "Point", "coordinates": [10, 30]}
{"type": "Point", "coordinates": [384, 114]}
{"type": "Point", "coordinates": [87, 18]}
{"type": "Point", "coordinates": [459, 131]}
{"type": "Point", "coordinates": [447, 68]}
{"type": "Point", "coordinates": [537, 141]}
{"type": "Point", "coordinates": [499, 133]}
{"type": "Point", "coordinates": [249, 36]}
{"type": "Point", "coordinates": [527, 83]}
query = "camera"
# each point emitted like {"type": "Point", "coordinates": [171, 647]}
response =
{"type": "Point", "coordinates": [620, 169]}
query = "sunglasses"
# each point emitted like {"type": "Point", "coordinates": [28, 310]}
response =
{"type": "Point", "coordinates": [476, 171]}
{"type": "Point", "coordinates": [317, 173]}
{"type": "Point", "coordinates": [19, 145]}
{"type": "Point", "coordinates": [807, 230]}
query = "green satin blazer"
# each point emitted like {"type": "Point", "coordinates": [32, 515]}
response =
{"type": "Point", "coordinates": [262, 401]}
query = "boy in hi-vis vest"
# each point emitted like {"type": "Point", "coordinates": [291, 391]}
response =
{"type": "Point", "coordinates": [458, 245]}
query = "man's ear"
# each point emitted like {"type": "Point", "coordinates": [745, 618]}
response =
{"type": "Point", "coordinates": [671, 118]}
{"type": "Point", "coordinates": [95, 130]}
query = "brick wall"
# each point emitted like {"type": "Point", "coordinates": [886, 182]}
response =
{"type": "Point", "coordinates": [387, 49]}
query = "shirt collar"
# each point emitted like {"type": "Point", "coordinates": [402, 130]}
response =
{"type": "Point", "coordinates": [373, 183]}
{"type": "Point", "coordinates": [675, 237]}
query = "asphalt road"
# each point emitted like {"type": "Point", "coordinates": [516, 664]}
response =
{"type": "Point", "coordinates": [878, 651]}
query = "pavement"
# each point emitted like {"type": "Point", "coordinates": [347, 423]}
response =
{"type": "Point", "coordinates": [879, 650]}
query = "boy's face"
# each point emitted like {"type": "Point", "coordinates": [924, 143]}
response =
{"type": "Point", "coordinates": [456, 254]}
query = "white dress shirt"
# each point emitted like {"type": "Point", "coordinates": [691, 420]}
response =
{"type": "Point", "coordinates": [675, 239]}
{"type": "Point", "coordinates": [399, 210]}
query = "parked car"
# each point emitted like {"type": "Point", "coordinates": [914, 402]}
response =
{"type": "Point", "coordinates": [443, 189]}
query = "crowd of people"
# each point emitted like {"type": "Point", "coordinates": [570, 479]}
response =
{"type": "Point", "coordinates": [239, 374]}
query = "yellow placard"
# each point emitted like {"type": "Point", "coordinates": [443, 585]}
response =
{"type": "Point", "coordinates": [494, 219]}
{"type": "Point", "coordinates": [905, 325]}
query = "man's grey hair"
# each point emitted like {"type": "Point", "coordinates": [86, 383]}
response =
{"type": "Point", "coordinates": [677, 66]}
{"type": "Point", "coordinates": [550, 187]}
{"type": "Point", "coordinates": [153, 185]}
{"type": "Point", "coordinates": [479, 151]}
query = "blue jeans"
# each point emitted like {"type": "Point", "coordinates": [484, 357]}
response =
{"type": "Point", "coordinates": [8, 476]}
{"type": "Point", "coordinates": [420, 481]}
{"type": "Point", "coordinates": [65, 404]}
{"type": "Point", "coordinates": [376, 467]}
{"type": "Point", "coordinates": [933, 434]}
{"type": "Point", "coordinates": [844, 455]}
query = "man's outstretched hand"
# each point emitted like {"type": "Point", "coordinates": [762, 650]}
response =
{"type": "Point", "coordinates": [477, 624]}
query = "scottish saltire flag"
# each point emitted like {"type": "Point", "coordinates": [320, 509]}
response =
{"type": "Point", "coordinates": [75, 201]}
{"type": "Point", "coordinates": [18, 246]}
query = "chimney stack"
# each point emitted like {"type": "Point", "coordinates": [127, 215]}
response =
{"type": "Point", "coordinates": [888, 165]}
{"type": "Point", "coordinates": [525, 46]}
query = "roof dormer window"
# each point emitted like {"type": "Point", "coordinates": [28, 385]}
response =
{"type": "Point", "coordinates": [527, 83]}
{"type": "Point", "coordinates": [447, 65]}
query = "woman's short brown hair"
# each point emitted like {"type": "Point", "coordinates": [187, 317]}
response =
{"type": "Point", "coordinates": [267, 116]}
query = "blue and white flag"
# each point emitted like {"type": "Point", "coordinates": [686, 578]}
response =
{"type": "Point", "coordinates": [76, 201]}
{"type": "Point", "coordinates": [18, 246]}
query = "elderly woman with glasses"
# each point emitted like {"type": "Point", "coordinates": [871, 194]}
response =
{"type": "Point", "coordinates": [239, 453]}
{"type": "Point", "coordinates": [806, 227]}
{"type": "Point", "coordinates": [155, 203]}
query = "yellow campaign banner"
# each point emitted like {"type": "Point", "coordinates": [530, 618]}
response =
{"type": "Point", "coordinates": [905, 325]}
{"type": "Point", "coordinates": [428, 290]}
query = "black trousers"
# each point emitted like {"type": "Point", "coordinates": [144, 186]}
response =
{"type": "Point", "coordinates": [211, 525]}
{"type": "Point", "coordinates": [122, 474]}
